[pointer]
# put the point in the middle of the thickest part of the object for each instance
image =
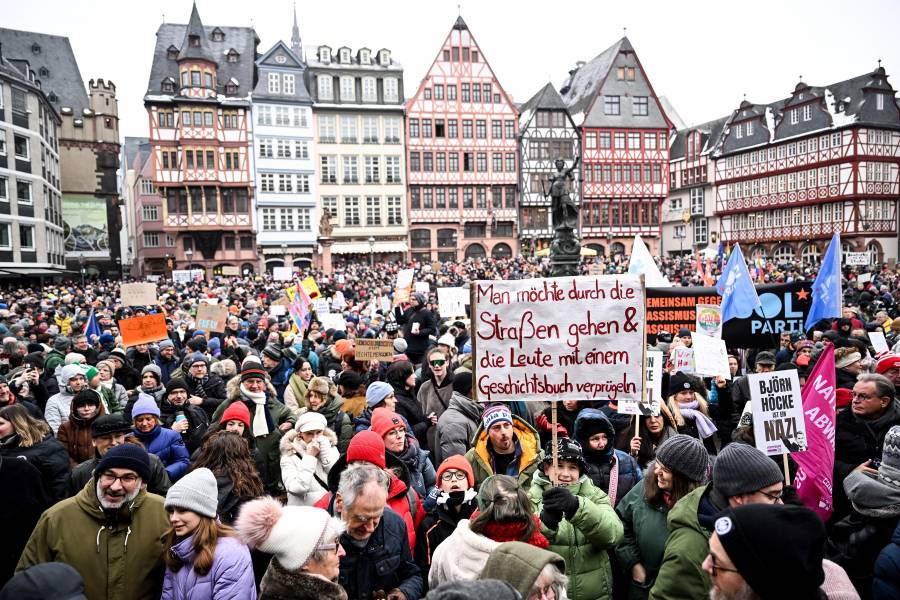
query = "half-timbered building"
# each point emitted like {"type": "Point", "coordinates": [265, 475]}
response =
{"type": "Point", "coordinates": [198, 104]}
{"type": "Point", "coordinates": [462, 158]}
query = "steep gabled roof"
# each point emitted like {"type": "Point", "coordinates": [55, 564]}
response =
{"type": "Point", "coordinates": [265, 63]}
{"type": "Point", "coordinates": [547, 98]}
{"type": "Point", "coordinates": [583, 83]}
{"type": "Point", "coordinates": [195, 29]}
{"type": "Point", "coordinates": [709, 135]}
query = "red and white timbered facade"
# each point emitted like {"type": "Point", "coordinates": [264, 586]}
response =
{"type": "Point", "coordinates": [462, 163]}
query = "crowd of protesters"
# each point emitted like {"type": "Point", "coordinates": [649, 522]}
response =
{"type": "Point", "coordinates": [259, 462]}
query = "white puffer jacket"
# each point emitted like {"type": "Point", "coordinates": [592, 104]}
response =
{"type": "Point", "coordinates": [461, 557]}
{"type": "Point", "coordinates": [303, 474]}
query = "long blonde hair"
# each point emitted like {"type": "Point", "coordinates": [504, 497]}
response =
{"type": "Point", "coordinates": [31, 431]}
{"type": "Point", "coordinates": [205, 539]}
{"type": "Point", "coordinates": [702, 406]}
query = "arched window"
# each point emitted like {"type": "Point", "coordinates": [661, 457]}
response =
{"type": "Point", "coordinates": [420, 238]}
{"type": "Point", "coordinates": [875, 254]}
{"type": "Point", "coordinates": [475, 251]}
{"type": "Point", "coordinates": [617, 248]}
{"type": "Point", "coordinates": [446, 238]}
{"type": "Point", "coordinates": [598, 248]}
{"type": "Point", "coordinates": [784, 253]}
{"type": "Point", "coordinates": [757, 252]}
{"type": "Point", "coordinates": [810, 253]}
{"type": "Point", "coordinates": [501, 251]}
{"type": "Point", "coordinates": [247, 269]}
{"type": "Point", "coordinates": [272, 263]}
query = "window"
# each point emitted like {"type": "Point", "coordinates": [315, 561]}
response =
{"type": "Point", "coordinates": [453, 162]}
{"type": "Point", "coordinates": [427, 93]}
{"type": "Point", "coordinates": [264, 116]}
{"type": "Point", "coordinates": [150, 212]}
{"type": "Point", "coordinates": [439, 129]}
{"type": "Point", "coordinates": [415, 162]}
{"type": "Point", "coordinates": [795, 116]}
{"type": "Point", "coordinates": [372, 165]}
{"type": "Point", "coordinates": [329, 169]}
{"type": "Point", "coordinates": [330, 206]}
{"type": "Point", "coordinates": [351, 169]}
{"type": "Point", "coordinates": [302, 183]}
{"type": "Point", "coordinates": [391, 89]}
{"type": "Point", "coordinates": [414, 128]}
{"type": "Point", "coordinates": [394, 211]}
{"type": "Point", "coordinates": [147, 187]}
{"type": "Point", "coordinates": [23, 192]}
{"type": "Point", "coordinates": [497, 129]}
{"type": "Point", "coordinates": [392, 169]}
{"type": "Point", "coordinates": [348, 130]}
{"type": "Point", "coordinates": [151, 239]}
{"type": "Point", "coordinates": [426, 128]}
{"type": "Point", "coordinates": [268, 219]}
{"type": "Point", "coordinates": [482, 162]}
{"type": "Point", "coordinates": [246, 242]}
{"type": "Point", "coordinates": [286, 219]}
{"type": "Point", "coordinates": [467, 129]}
{"type": "Point", "coordinates": [166, 119]}
{"type": "Point", "coordinates": [392, 128]}
{"type": "Point", "coordinates": [351, 211]}
{"type": "Point", "coordinates": [510, 162]}
{"type": "Point", "coordinates": [284, 148]}
{"type": "Point", "coordinates": [370, 130]}
{"type": "Point", "coordinates": [481, 129]}
{"type": "Point", "coordinates": [303, 220]}
{"type": "Point", "coordinates": [807, 112]}
{"type": "Point", "coordinates": [639, 106]}
{"type": "Point", "coordinates": [697, 201]}
{"type": "Point", "coordinates": [510, 130]}
{"type": "Point", "coordinates": [288, 84]}
{"type": "Point", "coordinates": [611, 105]}
{"type": "Point", "coordinates": [420, 238]}
{"type": "Point", "coordinates": [301, 149]}
{"type": "Point", "coordinates": [464, 92]}
{"type": "Point", "coordinates": [634, 141]}
{"type": "Point", "coordinates": [282, 116]}
{"type": "Point", "coordinates": [274, 83]}
{"type": "Point", "coordinates": [267, 182]}
{"type": "Point", "coordinates": [21, 147]}
{"type": "Point", "coordinates": [348, 89]}
{"type": "Point", "coordinates": [195, 78]}
{"type": "Point", "coordinates": [326, 87]}
{"type": "Point", "coordinates": [474, 230]}
{"type": "Point", "coordinates": [590, 140]}
{"type": "Point", "coordinates": [373, 211]}
{"type": "Point", "coordinates": [438, 91]}
{"type": "Point", "coordinates": [476, 92]}
{"type": "Point", "coordinates": [285, 182]}
{"type": "Point", "coordinates": [748, 128]}
{"type": "Point", "coordinates": [427, 162]}
{"type": "Point", "coordinates": [701, 231]}
{"type": "Point", "coordinates": [451, 92]}
{"type": "Point", "coordinates": [369, 90]}
{"type": "Point", "coordinates": [879, 101]}
{"type": "Point", "coordinates": [265, 148]}
{"type": "Point", "coordinates": [415, 198]}
{"type": "Point", "coordinates": [230, 119]}
{"type": "Point", "coordinates": [497, 162]}
{"type": "Point", "coordinates": [620, 140]}
{"type": "Point", "coordinates": [5, 241]}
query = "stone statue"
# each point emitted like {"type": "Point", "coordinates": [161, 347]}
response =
{"type": "Point", "coordinates": [563, 208]}
{"type": "Point", "coordinates": [325, 226]}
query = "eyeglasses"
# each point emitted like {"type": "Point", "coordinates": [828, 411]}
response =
{"type": "Point", "coordinates": [454, 475]}
{"type": "Point", "coordinates": [127, 479]}
{"type": "Point", "coordinates": [863, 396]}
{"type": "Point", "coordinates": [774, 497]}
{"type": "Point", "coordinates": [332, 547]}
{"type": "Point", "coordinates": [438, 362]}
{"type": "Point", "coordinates": [716, 568]}
{"type": "Point", "coordinates": [364, 519]}
{"type": "Point", "coordinates": [548, 592]}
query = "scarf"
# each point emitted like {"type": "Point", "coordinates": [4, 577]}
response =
{"type": "Point", "coordinates": [107, 384]}
{"type": "Point", "coordinates": [410, 455]}
{"type": "Point", "coordinates": [199, 384]}
{"type": "Point", "coordinates": [513, 531]}
{"type": "Point", "coordinates": [262, 424]}
{"type": "Point", "coordinates": [704, 425]}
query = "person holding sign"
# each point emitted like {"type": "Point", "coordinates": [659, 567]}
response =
{"type": "Point", "coordinates": [504, 445]}
{"type": "Point", "coordinates": [418, 324]}
{"type": "Point", "coordinates": [653, 432]}
{"type": "Point", "coordinates": [690, 410]}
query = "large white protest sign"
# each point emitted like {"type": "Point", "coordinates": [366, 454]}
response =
{"type": "Point", "coordinates": [709, 320]}
{"type": "Point", "coordinates": [404, 285]}
{"type": "Point", "coordinates": [452, 301]}
{"type": "Point", "coordinates": [565, 338]}
{"type": "Point", "coordinates": [138, 294]}
{"type": "Point", "coordinates": [879, 343]}
{"type": "Point", "coordinates": [777, 412]}
{"type": "Point", "coordinates": [321, 307]}
{"type": "Point", "coordinates": [422, 287]}
{"type": "Point", "coordinates": [282, 273]}
{"type": "Point", "coordinates": [333, 321]}
{"type": "Point", "coordinates": [710, 356]}
{"type": "Point", "coordinates": [181, 276]}
{"type": "Point", "coordinates": [652, 391]}
{"type": "Point", "coordinates": [856, 259]}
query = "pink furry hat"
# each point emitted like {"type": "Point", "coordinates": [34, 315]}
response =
{"type": "Point", "coordinates": [291, 533]}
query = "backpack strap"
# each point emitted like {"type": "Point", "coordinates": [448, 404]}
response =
{"type": "Point", "coordinates": [411, 498]}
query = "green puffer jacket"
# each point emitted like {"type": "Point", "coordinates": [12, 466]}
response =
{"type": "Point", "coordinates": [584, 541]}
{"type": "Point", "coordinates": [118, 559]}
{"type": "Point", "coordinates": [681, 575]}
{"type": "Point", "coordinates": [645, 537]}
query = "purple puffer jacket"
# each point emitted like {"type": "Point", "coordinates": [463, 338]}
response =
{"type": "Point", "coordinates": [231, 576]}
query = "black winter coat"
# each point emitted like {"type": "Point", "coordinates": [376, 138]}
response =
{"type": "Point", "coordinates": [855, 542]}
{"type": "Point", "coordinates": [385, 563]}
{"type": "Point", "coordinates": [417, 343]}
{"type": "Point", "coordinates": [50, 458]}
{"type": "Point", "coordinates": [196, 416]}
{"type": "Point", "coordinates": [214, 392]}
{"type": "Point", "coordinates": [408, 407]}
{"type": "Point", "coordinates": [437, 527]}
{"type": "Point", "coordinates": [22, 500]}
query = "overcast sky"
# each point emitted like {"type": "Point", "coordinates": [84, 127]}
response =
{"type": "Point", "coordinates": [704, 56]}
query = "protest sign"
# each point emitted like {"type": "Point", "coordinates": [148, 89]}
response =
{"type": "Point", "coordinates": [595, 269]}
{"type": "Point", "coordinates": [230, 271]}
{"type": "Point", "coordinates": [311, 289]}
{"type": "Point", "coordinates": [653, 390]}
{"type": "Point", "coordinates": [153, 278]}
{"type": "Point", "coordinates": [283, 301]}
{"type": "Point", "coordinates": [403, 288]}
{"type": "Point", "coordinates": [879, 344]}
{"type": "Point", "coordinates": [367, 349]}
{"type": "Point", "coordinates": [276, 310]}
{"type": "Point", "coordinates": [565, 338]}
{"type": "Point", "coordinates": [864, 278]}
{"type": "Point", "coordinates": [211, 317]}
{"type": "Point", "coordinates": [143, 330]}
{"type": "Point", "coordinates": [710, 357]}
{"type": "Point", "coordinates": [709, 320]}
{"type": "Point", "coordinates": [682, 359]}
{"type": "Point", "coordinates": [138, 294]}
{"type": "Point", "coordinates": [197, 274]}
{"type": "Point", "coordinates": [856, 259]}
{"type": "Point", "coordinates": [422, 287]}
{"type": "Point", "coordinates": [777, 412]}
{"type": "Point", "coordinates": [332, 321]}
{"type": "Point", "coordinates": [282, 273]}
{"type": "Point", "coordinates": [321, 307]}
{"type": "Point", "coordinates": [452, 301]}
{"type": "Point", "coordinates": [181, 276]}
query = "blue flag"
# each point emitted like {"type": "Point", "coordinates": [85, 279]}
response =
{"type": "Point", "coordinates": [92, 329]}
{"type": "Point", "coordinates": [739, 297]}
{"type": "Point", "coordinates": [826, 289]}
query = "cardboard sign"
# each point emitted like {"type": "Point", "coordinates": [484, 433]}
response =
{"type": "Point", "coordinates": [283, 301]}
{"type": "Point", "coordinates": [422, 287]}
{"type": "Point", "coordinates": [138, 294]}
{"type": "Point", "coordinates": [709, 320]}
{"type": "Point", "coordinates": [562, 338]}
{"type": "Point", "coordinates": [332, 321]}
{"type": "Point", "coordinates": [230, 271]}
{"type": "Point", "coordinates": [710, 356]}
{"type": "Point", "coordinates": [311, 289]}
{"type": "Point", "coordinates": [653, 391]}
{"type": "Point", "coordinates": [211, 317]}
{"type": "Point", "coordinates": [452, 302]}
{"type": "Point", "coordinates": [879, 344]}
{"type": "Point", "coordinates": [282, 273]}
{"type": "Point", "coordinates": [143, 330]}
{"type": "Point", "coordinates": [777, 412]}
{"type": "Point", "coordinates": [595, 269]}
{"type": "Point", "coordinates": [856, 259]}
{"type": "Point", "coordinates": [403, 289]}
{"type": "Point", "coordinates": [682, 359]}
{"type": "Point", "coordinates": [382, 350]}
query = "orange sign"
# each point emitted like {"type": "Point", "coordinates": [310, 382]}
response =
{"type": "Point", "coordinates": [143, 330]}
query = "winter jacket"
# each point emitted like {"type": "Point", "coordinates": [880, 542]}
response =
{"type": "Point", "coordinates": [644, 540]}
{"type": "Point", "coordinates": [439, 525]}
{"type": "Point", "coordinates": [305, 476]}
{"type": "Point", "coordinates": [886, 585]}
{"type": "Point", "coordinates": [159, 482]}
{"type": "Point", "coordinates": [385, 563]}
{"type": "Point", "coordinates": [601, 464]}
{"type": "Point", "coordinates": [408, 408]}
{"type": "Point", "coordinates": [681, 575]}
{"type": "Point", "coordinates": [119, 557]}
{"type": "Point", "coordinates": [214, 393]}
{"type": "Point", "coordinates": [583, 541]}
{"type": "Point", "coordinates": [295, 394]}
{"type": "Point", "coordinates": [58, 407]}
{"type": "Point", "coordinates": [198, 422]}
{"type": "Point", "coordinates": [338, 421]}
{"type": "Point", "coordinates": [417, 343]}
{"type": "Point", "coordinates": [22, 501]}
{"type": "Point", "coordinates": [50, 458]}
{"type": "Point", "coordinates": [279, 377]}
{"type": "Point", "coordinates": [461, 556]}
{"type": "Point", "coordinates": [169, 447]}
{"type": "Point", "coordinates": [527, 451]}
{"type": "Point", "coordinates": [456, 427]}
{"type": "Point", "coordinates": [266, 445]}
{"type": "Point", "coordinates": [280, 584]}
{"type": "Point", "coordinates": [115, 396]}
{"type": "Point", "coordinates": [434, 397]}
{"type": "Point", "coordinates": [329, 364]}
{"type": "Point", "coordinates": [75, 436]}
{"type": "Point", "coordinates": [231, 575]}
{"type": "Point", "coordinates": [166, 367]}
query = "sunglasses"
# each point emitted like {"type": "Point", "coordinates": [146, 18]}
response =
{"type": "Point", "coordinates": [439, 362]}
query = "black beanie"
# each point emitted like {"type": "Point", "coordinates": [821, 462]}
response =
{"type": "Point", "coordinates": [778, 549]}
{"type": "Point", "coordinates": [176, 383]}
{"type": "Point", "coordinates": [679, 382]}
{"type": "Point", "coordinates": [85, 397]}
{"type": "Point", "coordinates": [462, 383]}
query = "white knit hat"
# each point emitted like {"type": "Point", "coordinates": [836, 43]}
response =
{"type": "Point", "coordinates": [311, 421]}
{"type": "Point", "coordinates": [196, 491]}
{"type": "Point", "coordinates": [291, 533]}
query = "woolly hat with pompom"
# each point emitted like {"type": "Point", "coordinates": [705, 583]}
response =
{"type": "Point", "coordinates": [291, 533]}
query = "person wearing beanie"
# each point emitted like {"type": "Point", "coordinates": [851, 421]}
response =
{"type": "Point", "coordinates": [418, 324]}
{"type": "Point", "coordinates": [57, 356]}
{"type": "Point", "coordinates": [457, 425]}
{"type": "Point", "coordinates": [529, 569]}
{"type": "Point", "coordinates": [378, 394]}
{"type": "Point", "coordinates": [578, 519]}
{"type": "Point", "coordinates": [352, 390]}
{"type": "Point", "coordinates": [279, 368]}
{"type": "Point", "coordinates": [126, 374]}
{"type": "Point", "coordinates": [393, 429]}
{"type": "Point", "coordinates": [182, 417]}
{"type": "Point", "coordinates": [111, 532]}
{"type": "Point", "coordinates": [504, 444]}
{"type": "Point", "coordinates": [236, 418]}
{"type": "Point", "coordinates": [681, 466]}
{"type": "Point", "coordinates": [611, 470]}
{"type": "Point", "coordinates": [75, 433]}
{"type": "Point", "coordinates": [205, 560]}
{"type": "Point", "coordinates": [71, 381]}
{"type": "Point", "coordinates": [741, 475]}
{"type": "Point", "coordinates": [322, 397]}
{"type": "Point", "coordinates": [167, 360]}
{"type": "Point", "coordinates": [690, 409]}
{"type": "Point", "coordinates": [453, 500]}
{"type": "Point", "coordinates": [889, 366]}
{"type": "Point", "coordinates": [206, 390]}
{"type": "Point", "coordinates": [306, 546]}
{"type": "Point", "coordinates": [401, 377]}
{"type": "Point", "coordinates": [269, 419]}
{"type": "Point", "coordinates": [307, 454]}
{"type": "Point", "coordinates": [164, 443]}
{"type": "Point", "coordinates": [47, 581]}
{"type": "Point", "coordinates": [766, 552]}
{"type": "Point", "coordinates": [151, 385]}
{"type": "Point", "coordinates": [114, 394]}
{"type": "Point", "coordinates": [848, 365]}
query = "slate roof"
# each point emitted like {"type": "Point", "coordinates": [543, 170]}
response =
{"type": "Point", "coordinates": [131, 147]}
{"type": "Point", "coordinates": [195, 28]}
{"type": "Point", "coordinates": [292, 62]}
{"type": "Point", "coordinates": [583, 83]}
{"type": "Point", "coordinates": [546, 98]}
{"type": "Point", "coordinates": [709, 135]}
{"type": "Point", "coordinates": [56, 55]}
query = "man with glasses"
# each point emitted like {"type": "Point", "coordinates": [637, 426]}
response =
{"type": "Point", "coordinates": [434, 395]}
{"type": "Point", "coordinates": [741, 475]}
{"type": "Point", "coordinates": [205, 389]}
{"type": "Point", "coordinates": [111, 532]}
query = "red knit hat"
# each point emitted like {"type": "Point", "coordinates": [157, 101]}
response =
{"type": "Point", "coordinates": [236, 411]}
{"type": "Point", "coordinates": [384, 420]}
{"type": "Point", "coordinates": [843, 397]}
{"type": "Point", "coordinates": [366, 446]}
{"type": "Point", "coordinates": [886, 362]}
{"type": "Point", "coordinates": [459, 462]}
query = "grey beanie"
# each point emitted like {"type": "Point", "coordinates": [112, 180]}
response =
{"type": "Point", "coordinates": [197, 491]}
{"type": "Point", "coordinates": [400, 345]}
{"type": "Point", "coordinates": [686, 456]}
{"type": "Point", "coordinates": [742, 469]}
{"type": "Point", "coordinates": [152, 368]}
{"type": "Point", "coordinates": [889, 471]}
{"type": "Point", "coordinates": [166, 343]}
{"type": "Point", "coordinates": [61, 343]}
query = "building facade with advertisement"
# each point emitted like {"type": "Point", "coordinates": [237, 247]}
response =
{"type": "Point", "coordinates": [462, 159]}
{"type": "Point", "coordinates": [284, 159]}
{"type": "Point", "coordinates": [546, 133]}
{"type": "Point", "coordinates": [198, 103]}
{"type": "Point", "coordinates": [358, 115]}
{"type": "Point", "coordinates": [624, 148]}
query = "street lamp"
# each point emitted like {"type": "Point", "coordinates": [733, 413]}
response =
{"type": "Point", "coordinates": [284, 260]}
{"type": "Point", "coordinates": [371, 251]}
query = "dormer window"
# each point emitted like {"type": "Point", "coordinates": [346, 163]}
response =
{"type": "Point", "coordinates": [218, 35]}
{"type": "Point", "coordinates": [168, 86]}
{"type": "Point", "coordinates": [364, 57]}
{"type": "Point", "coordinates": [52, 97]}
{"type": "Point", "coordinates": [35, 48]}
{"type": "Point", "coordinates": [325, 54]}
{"type": "Point", "coordinates": [345, 56]}
{"type": "Point", "coordinates": [232, 56]}
{"type": "Point", "coordinates": [172, 53]}
{"type": "Point", "coordinates": [231, 87]}
{"type": "Point", "coordinates": [194, 41]}
{"type": "Point", "coordinates": [44, 72]}
{"type": "Point", "coordinates": [384, 57]}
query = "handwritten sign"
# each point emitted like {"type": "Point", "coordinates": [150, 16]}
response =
{"type": "Point", "coordinates": [276, 310]}
{"type": "Point", "coordinates": [138, 294]}
{"type": "Point", "coordinates": [856, 259]}
{"type": "Point", "coordinates": [230, 271]}
{"type": "Point", "coordinates": [181, 276]}
{"type": "Point", "coordinates": [333, 321]}
{"type": "Point", "coordinates": [143, 330]}
{"type": "Point", "coordinates": [452, 301]}
{"type": "Point", "coordinates": [404, 285]}
{"type": "Point", "coordinates": [709, 320]}
{"type": "Point", "coordinates": [282, 273]}
{"type": "Point", "coordinates": [653, 391]}
{"type": "Point", "coordinates": [682, 359]}
{"type": "Point", "coordinates": [321, 307]}
{"type": "Point", "coordinates": [382, 350]}
{"type": "Point", "coordinates": [710, 357]}
{"type": "Point", "coordinates": [211, 317]}
{"type": "Point", "coordinates": [565, 338]}
{"type": "Point", "coordinates": [777, 412]}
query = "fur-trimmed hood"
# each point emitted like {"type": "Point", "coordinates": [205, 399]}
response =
{"type": "Point", "coordinates": [281, 584]}
{"type": "Point", "coordinates": [291, 443]}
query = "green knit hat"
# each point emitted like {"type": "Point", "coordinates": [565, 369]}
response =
{"type": "Point", "coordinates": [520, 564]}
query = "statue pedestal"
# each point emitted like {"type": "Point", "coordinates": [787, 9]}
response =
{"type": "Point", "coordinates": [565, 253]}
{"type": "Point", "coordinates": [325, 244]}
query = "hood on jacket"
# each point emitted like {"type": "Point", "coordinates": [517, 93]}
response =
{"type": "Point", "coordinates": [525, 434]}
{"type": "Point", "coordinates": [291, 442]}
{"type": "Point", "coordinates": [520, 565]}
{"type": "Point", "coordinates": [65, 374]}
{"type": "Point", "coordinates": [872, 497]}
{"type": "Point", "coordinates": [471, 409]}
{"type": "Point", "coordinates": [596, 416]}
{"type": "Point", "coordinates": [685, 512]}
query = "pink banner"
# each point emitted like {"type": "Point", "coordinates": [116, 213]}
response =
{"type": "Point", "coordinates": [815, 466]}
